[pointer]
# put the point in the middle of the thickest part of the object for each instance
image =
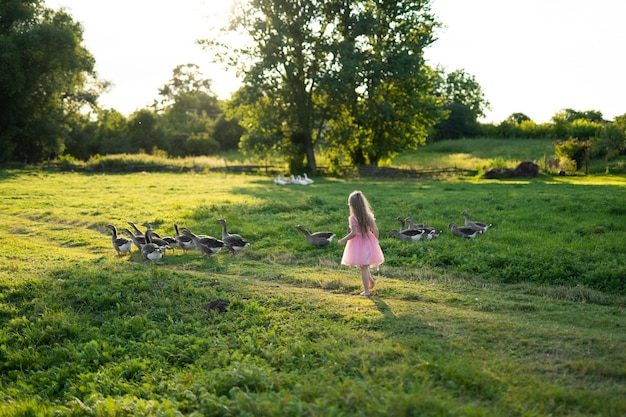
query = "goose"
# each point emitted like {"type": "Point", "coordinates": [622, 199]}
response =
{"type": "Point", "coordinates": [120, 243]}
{"type": "Point", "coordinates": [233, 242]}
{"type": "Point", "coordinates": [402, 221]}
{"type": "Point", "coordinates": [280, 180]}
{"type": "Point", "coordinates": [136, 229]}
{"type": "Point", "coordinates": [168, 242]}
{"type": "Point", "coordinates": [150, 250]}
{"type": "Point", "coordinates": [184, 242]}
{"type": "Point", "coordinates": [317, 238]}
{"type": "Point", "coordinates": [413, 235]}
{"type": "Point", "coordinates": [466, 232]}
{"type": "Point", "coordinates": [208, 245]}
{"type": "Point", "coordinates": [481, 227]}
{"type": "Point", "coordinates": [433, 234]}
{"type": "Point", "coordinates": [300, 180]}
{"type": "Point", "coordinates": [139, 241]}
{"type": "Point", "coordinates": [297, 180]}
{"type": "Point", "coordinates": [306, 179]}
{"type": "Point", "coordinates": [420, 226]}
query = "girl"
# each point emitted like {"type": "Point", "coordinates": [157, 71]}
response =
{"type": "Point", "coordinates": [362, 247]}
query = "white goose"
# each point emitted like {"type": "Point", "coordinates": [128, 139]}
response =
{"type": "Point", "coordinates": [305, 179]}
{"type": "Point", "coordinates": [281, 180]}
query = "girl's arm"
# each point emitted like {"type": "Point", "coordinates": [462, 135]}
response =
{"type": "Point", "coordinates": [375, 229]}
{"type": "Point", "coordinates": [346, 237]}
{"type": "Point", "coordinates": [373, 226]}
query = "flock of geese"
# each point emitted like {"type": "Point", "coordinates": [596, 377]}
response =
{"type": "Point", "coordinates": [153, 246]}
{"type": "Point", "coordinates": [293, 179]}
{"type": "Point", "coordinates": [409, 230]}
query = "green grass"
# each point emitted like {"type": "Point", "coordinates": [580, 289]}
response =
{"type": "Point", "coordinates": [477, 154]}
{"type": "Point", "coordinates": [480, 154]}
{"type": "Point", "coordinates": [526, 320]}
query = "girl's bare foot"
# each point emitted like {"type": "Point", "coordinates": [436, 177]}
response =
{"type": "Point", "coordinates": [372, 283]}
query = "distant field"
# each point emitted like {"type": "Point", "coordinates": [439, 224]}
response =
{"type": "Point", "coordinates": [526, 320]}
{"type": "Point", "coordinates": [477, 153]}
{"type": "Point", "coordinates": [480, 154]}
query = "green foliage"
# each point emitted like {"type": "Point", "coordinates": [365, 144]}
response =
{"type": "Point", "coordinates": [571, 115]}
{"type": "Point", "coordinates": [611, 142]}
{"type": "Point", "coordinates": [459, 87]}
{"type": "Point", "coordinates": [517, 118]}
{"type": "Point", "coordinates": [227, 133]}
{"type": "Point", "coordinates": [388, 104]}
{"type": "Point", "coordinates": [464, 102]}
{"type": "Point", "coordinates": [585, 130]}
{"type": "Point", "coordinates": [573, 150]}
{"type": "Point", "coordinates": [44, 80]}
{"type": "Point", "coordinates": [460, 123]}
{"type": "Point", "coordinates": [144, 133]}
{"type": "Point", "coordinates": [188, 113]}
{"type": "Point", "coordinates": [346, 77]}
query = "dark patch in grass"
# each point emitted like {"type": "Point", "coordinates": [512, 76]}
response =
{"type": "Point", "coordinates": [410, 296]}
{"type": "Point", "coordinates": [218, 305]}
{"type": "Point", "coordinates": [617, 211]}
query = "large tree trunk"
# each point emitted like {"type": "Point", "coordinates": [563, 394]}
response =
{"type": "Point", "coordinates": [310, 153]}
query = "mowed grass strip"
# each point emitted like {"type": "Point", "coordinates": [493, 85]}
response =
{"type": "Point", "coordinates": [527, 319]}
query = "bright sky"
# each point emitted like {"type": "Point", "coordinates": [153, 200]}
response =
{"type": "Point", "coordinates": [536, 57]}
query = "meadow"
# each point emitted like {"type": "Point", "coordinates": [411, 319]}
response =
{"type": "Point", "coordinates": [525, 320]}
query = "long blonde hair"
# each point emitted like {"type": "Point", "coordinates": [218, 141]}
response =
{"type": "Point", "coordinates": [360, 208]}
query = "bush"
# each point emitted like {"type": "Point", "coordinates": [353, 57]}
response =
{"type": "Point", "coordinates": [585, 129]}
{"type": "Point", "coordinates": [573, 150]}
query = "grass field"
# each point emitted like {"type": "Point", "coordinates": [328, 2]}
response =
{"type": "Point", "coordinates": [526, 320]}
{"type": "Point", "coordinates": [477, 154]}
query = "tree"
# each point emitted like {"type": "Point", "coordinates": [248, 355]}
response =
{"type": "Point", "coordinates": [378, 92]}
{"type": "Point", "coordinates": [280, 66]}
{"type": "Point", "coordinates": [464, 101]}
{"type": "Point", "coordinates": [187, 81]}
{"type": "Point", "coordinates": [188, 113]}
{"type": "Point", "coordinates": [517, 118]}
{"type": "Point", "coordinates": [346, 73]}
{"type": "Point", "coordinates": [574, 150]}
{"type": "Point", "coordinates": [461, 87]}
{"type": "Point", "coordinates": [611, 142]}
{"type": "Point", "coordinates": [460, 123]}
{"type": "Point", "coordinates": [112, 132]}
{"type": "Point", "coordinates": [227, 133]}
{"type": "Point", "coordinates": [144, 134]}
{"type": "Point", "coordinates": [571, 115]}
{"type": "Point", "coordinates": [44, 77]}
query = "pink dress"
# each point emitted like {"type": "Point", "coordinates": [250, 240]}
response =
{"type": "Point", "coordinates": [362, 249]}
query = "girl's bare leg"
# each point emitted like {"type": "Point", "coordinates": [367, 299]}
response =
{"type": "Point", "coordinates": [367, 279]}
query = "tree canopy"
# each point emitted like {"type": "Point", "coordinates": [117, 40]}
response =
{"type": "Point", "coordinates": [46, 76]}
{"type": "Point", "coordinates": [346, 74]}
